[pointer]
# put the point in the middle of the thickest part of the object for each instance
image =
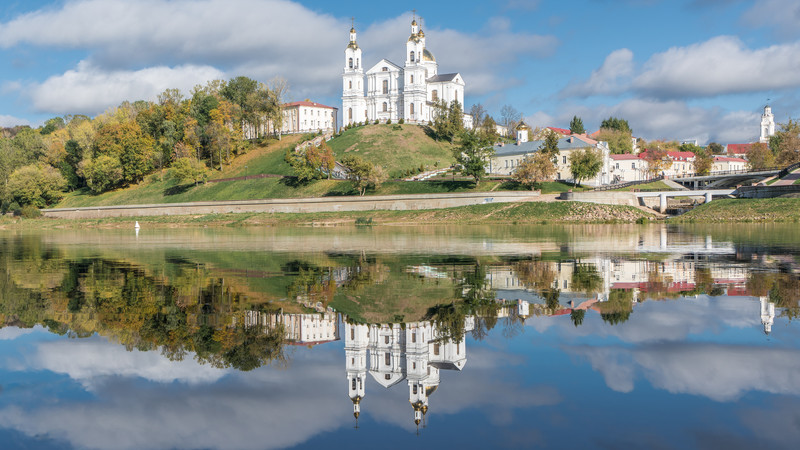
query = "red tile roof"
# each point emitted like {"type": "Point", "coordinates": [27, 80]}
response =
{"type": "Point", "coordinates": [307, 103]}
{"type": "Point", "coordinates": [560, 131]}
{"type": "Point", "coordinates": [728, 159]}
{"type": "Point", "coordinates": [739, 149]}
{"type": "Point", "coordinates": [681, 156]}
{"type": "Point", "coordinates": [624, 157]}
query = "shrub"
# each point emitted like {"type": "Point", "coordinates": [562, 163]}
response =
{"type": "Point", "coordinates": [388, 121]}
{"type": "Point", "coordinates": [642, 220]}
{"type": "Point", "coordinates": [30, 212]}
{"type": "Point", "coordinates": [401, 121]}
{"type": "Point", "coordinates": [377, 121]}
{"type": "Point", "coordinates": [364, 221]}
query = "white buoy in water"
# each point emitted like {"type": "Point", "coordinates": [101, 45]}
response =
{"type": "Point", "coordinates": [137, 225]}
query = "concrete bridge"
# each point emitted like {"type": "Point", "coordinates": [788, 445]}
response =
{"type": "Point", "coordinates": [725, 179]}
{"type": "Point", "coordinates": [640, 198]}
{"type": "Point", "coordinates": [707, 194]}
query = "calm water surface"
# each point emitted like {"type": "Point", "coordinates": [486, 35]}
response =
{"type": "Point", "coordinates": [534, 337]}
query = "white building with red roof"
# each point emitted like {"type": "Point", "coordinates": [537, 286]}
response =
{"type": "Point", "coordinates": [727, 163]}
{"type": "Point", "coordinates": [627, 167]}
{"type": "Point", "coordinates": [308, 117]}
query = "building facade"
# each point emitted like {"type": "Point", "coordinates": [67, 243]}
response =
{"type": "Point", "coordinates": [388, 91]}
{"type": "Point", "coordinates": [767, 125]}
{"type": "Point", "coordinates": [308, 117]}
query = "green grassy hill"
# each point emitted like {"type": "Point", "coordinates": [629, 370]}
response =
{"type": "Point", "coordinates": [395, 147]}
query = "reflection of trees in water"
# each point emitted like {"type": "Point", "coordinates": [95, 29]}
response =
{"type": "Point", "coordinates": [783, 289]}
{"type": "Point", "coordinates": [618, 308]}
{"type": "Point", "coordinates": [586, 278]}
{"type": "Point", "coordinates": [186, 312]}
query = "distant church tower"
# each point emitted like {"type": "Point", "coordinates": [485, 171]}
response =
{"type": "Point", "coordinates": [767, 125]}
{"type": "Point", "coordinates": [353, 102]}
{"type": "Point", "coordinates": [356, 341]}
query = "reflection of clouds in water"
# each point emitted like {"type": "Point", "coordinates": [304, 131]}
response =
{"type": "Point", "coordinates": [11, 333]}
{"type": "Point", "coordinates": [777, 423]}
{"type": "Point", "coordinates": [88, 360]}
{"type": "Point", "coordinates": [481, 385]}
{"type": "Point", "coordinates": [669, 320]}
{"type": "Point", "coordinates": [267, 408]}
{"type": "Point", "coordinates": [719, 372]}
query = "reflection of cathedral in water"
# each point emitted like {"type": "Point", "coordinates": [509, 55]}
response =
{"type": "Point", "coordinates": [414, 352]}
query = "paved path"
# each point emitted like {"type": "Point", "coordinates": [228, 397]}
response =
{"type": "Point", "coordinates": [788, 179]}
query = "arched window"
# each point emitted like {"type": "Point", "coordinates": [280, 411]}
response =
{"type": "Point", "coordinates": [411, 109]}
{"type": "Point", "coordinates": [385, 86]}
{"type": "Point", "coordinates": [350, 113]}
{"type": "Point", "coordinates": [385, 107]}
{"type": "Point", "coordinates": [387, 359]}
{"type": "Point", "coordinates": [350, 63]}
{"type": "Point", "coordinates": [435, 95]}
{"type": "Point", "coordinates": [351, 85]}
{"type": "Point", "coordinates": [411, 56]}
{"type": "Point", "coordinates": [358, 62]}
{"type": "Point", "coordinates": [412, 79]}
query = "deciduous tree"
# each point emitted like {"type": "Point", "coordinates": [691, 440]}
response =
{"type": "Point", "coordinates": [38, 185]}
{"type": "Point", "coordinates": [760, 157]}
{"type": "Point", "coordinates": [534, 169]}
{"type": "Point", "coordinates": [473, 155]}
{"type": "Point", "coordinates": [584, 164]}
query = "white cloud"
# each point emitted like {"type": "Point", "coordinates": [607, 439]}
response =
{"type": "Point", "coordinates": [271, 38]}
{"type": "Point", "coordinates": [89, 360]}
{"type": "Point", "coordinates": [780, 16]}
{"type": "Point", "coordinates": [719, 372]}
{"type": "Point", "coordinates": [608, 79]}
{"type": "Point", "coordinates": [11, 121]}
{"type": "Point", "coordinates": [11, 333]}
{"type": "Point", "coordinates": [722, 65]}
{"type": "Point", "coordinates": [91, 90]}
{"type": "Point", "coordinates": [661, 119]}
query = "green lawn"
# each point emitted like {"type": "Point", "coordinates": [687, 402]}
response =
{"type": "Point", "coordinates": [656, 185]}
{"type": "Point", "coordinates": [396, 148]}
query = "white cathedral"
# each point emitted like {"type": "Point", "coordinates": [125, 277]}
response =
{"type": "Point", "coordinates": [391, 92]}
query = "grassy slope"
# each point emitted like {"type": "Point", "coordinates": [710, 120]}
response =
{"type": "Point", "coordinates": [745, 210]}
{"type": "Point", "coordinates": [397, 150]}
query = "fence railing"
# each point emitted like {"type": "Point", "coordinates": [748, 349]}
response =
{"type": "Point", "coordinates": [611, 187]}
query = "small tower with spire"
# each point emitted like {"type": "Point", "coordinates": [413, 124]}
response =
{"type": "Point", "coordinates": [767, 125]}
{"type": "Point", "coordinates": [767, 314]}
{"type": "Point", "coordinates": [522, 132]}
{"type": "Point", "coordinates": [355, 349]}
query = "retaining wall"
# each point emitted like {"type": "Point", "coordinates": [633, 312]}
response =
{"type": "Point", "coordinates": [766, 191]}
{"type": "Point", "coordinates": [296, 205]}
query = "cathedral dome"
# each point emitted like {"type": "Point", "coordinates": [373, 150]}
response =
{"type": "Point", "coordinates": [427, 55]}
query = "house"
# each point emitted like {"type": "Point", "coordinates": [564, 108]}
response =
{"type": "Point", "coordinates": [308, 117]}
{"type": "Point", "coordinates": [726, 163]}
{"type": "Point", "coordinates": [682, 163]}
{"type": "Point", "coordinates": [627, 167]}
{"type": "Point", "coordinates": [738, 150]}
{"type": "Point", "coordinates": [508, 156]}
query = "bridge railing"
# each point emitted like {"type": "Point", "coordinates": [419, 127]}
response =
{"type": "Point", "coordinates": [789, 169]}
{"type": "Point", "coordinates": [726, 172]}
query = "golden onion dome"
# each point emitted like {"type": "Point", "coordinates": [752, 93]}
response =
{"type": "Point", "coordinates": [356, 414]}
{"type": "Point", "coordinates": [353, 45]}
{"type": "Point", "coordinates": [427, 55]}
{"type": "Point", "coordinates": [523, 126]}
{"type": "Point", "coordinates": [430, 390]}
{"type": "Point", "coordinates": [421, 34]}
{"type": "Point", "coordinates": [353, 29]}
{"type": "Point", "coordinates": [414, 23]}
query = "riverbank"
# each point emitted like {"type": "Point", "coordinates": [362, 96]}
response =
{"type": "Point", "coordinates": [505, 213]}
{"type": "Point", "coordinates": [743, 210]}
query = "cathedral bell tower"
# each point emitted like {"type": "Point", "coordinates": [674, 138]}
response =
{"type": "Point", "coordinates": [767, 125]}
{"type": "Point", "coordinates": [415, 77]}
{"type": "Point", "coordinates": [353, 102]}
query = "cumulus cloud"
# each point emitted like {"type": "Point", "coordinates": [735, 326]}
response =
{"type": "Point", "coordinates": [719, 372]}
{"type": "Point", "coordinates": [126, 39]}
{"type": "Point", "coordinates": [11, 333]}
{"type": "Point", "coordinates": [721, 65]}
{"type": "Point", "coordinates": [89, 360]}
{"type": "Point", "coordinates": [780, 16]}
{"type": "Point", "coordinates": [11, 121]}
{"type": "Point", "coordinates": [611, 78]}
{"type": "Point", "coordinates": [90, 90]}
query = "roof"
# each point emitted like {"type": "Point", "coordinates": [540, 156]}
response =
{"type": "Point", "coordinates": [585, 138]}
{"type": "Point", "coordinates": [563, 131]}
{"type": "Point", "coordinates": [739, 148]}
{"type": "Point", "coordinates": [624, 157]}
{"type": "Point", "coordinates": [307, 103]}
{"type": "Point", "coordinates": [384, 62]}
{"type": "Point", "coordinates": [728, 159]}
{"type": "Point", "coordinates": [442, 78]}
{"type": "Point", "coordinates": [525, 148]}
{"type": "Point", "coordinates": [681, 156]}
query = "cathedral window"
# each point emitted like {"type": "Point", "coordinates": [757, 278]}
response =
{"type": "Point", "coordinates": [354, 384]}
{"type": "Point", "coordinates": [411, 109]}
{"type": "Point", "coordinates": [350, 113]}
{"type": "Point", "coordinates": [412, 79]}
{"type": "Point", "coordinates": [386, 339]}
{"type": "Point", "coordinates": [435, 349]}
{"type": "Point", "coordinates": [411, 56]}
{"type": "Point", "coordinates": [415, 390]}
{"type": "Point", "coordinates": [435, 95]}
{"type": "Point", "coordinates": [385, 69]}
{"type": "Point", "coordinates": [387, 358]}
{"type": "Point", "coordinates": [414, 337]}
{"type": "Point", "coordinates": [350, 86]}
{"type": "Point", "coordinates": [385, 107]}
{"type": "Point", "coordinates": [387, 377]}
{"type": "Point", "coordinates": [385, 86]}
{"type": "Point", "coordinates": [350, 63]}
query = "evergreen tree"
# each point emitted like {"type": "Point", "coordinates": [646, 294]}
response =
{"type": "Point", "coordinates": [576, 125]}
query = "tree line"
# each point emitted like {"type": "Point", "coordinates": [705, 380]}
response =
{"type": "Point", "coordinates": [190, 135]}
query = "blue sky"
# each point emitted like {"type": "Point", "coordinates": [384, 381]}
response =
{"type": "Point", "coordinates": [679, 69]}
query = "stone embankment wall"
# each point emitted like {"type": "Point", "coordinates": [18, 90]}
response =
{"type": "Point", "coordinates": [296, 205]}
{"type": "Point", "coordinates": [766, 191]}
{"type": "Point", "coordinates": [602, 197]}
